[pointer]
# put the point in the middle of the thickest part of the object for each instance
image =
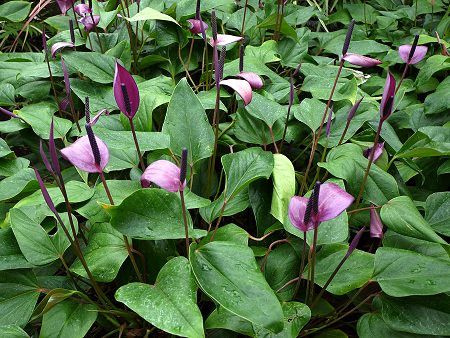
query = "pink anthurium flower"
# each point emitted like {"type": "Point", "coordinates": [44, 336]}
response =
{"type": "Point", "coordinates": [165, 174]}
{"type": "Point", "coordinates": [224, 39]}
{"type": "Point", "coordinates": [81, 155]}
{"type": "Point", "coordinates": [126, 91]}
{"type": "Point", "coordinates": [242, 87]}
{"type": "Point", "coordinates": [60, 45]}
{"type": "Point", "coordinates": [328, 203]}
{"type": "Point", "coordinates": [82, 9]}
{"type": "Point", "coordinates": [378, 151]}
{"type": "Point", "coordinates": [417, 55]}
{"type": "Point", "coordinates": [89, 22]}
{"type": "Point", "coordinates": [387, 100]}
{"type": "Point", "coordinates": [253, 79]}
{"type": "Point", "coordinates": [361, 60]}
{"type": "Point", "coordinates": [376, 227]}
{"type": "Point", "coordinates": [64, 5]}
{"type": "Point", "coordinates": [196, 26]}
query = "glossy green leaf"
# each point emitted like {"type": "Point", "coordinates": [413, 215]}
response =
{"type": "Point", "coordinates": [403, 273]}
{"type": "Point", "coordinates": [401, 215]}
{"type": "Point", "coordinates": [97, 67]}
{"type": "Point", "coordinates": [243, 167]}
{"type": "Point", "coordinates": [15, 11]}
{"type": "Point", "coordinates": [418, 315]}
{"type": "Point", "coordinates": [283, 186]}
{"type": "Point", "coordinates": [348, 163]}
{"type": "Point", "coordinates": [151, 14]}
{"type": "Point", "coordinates": [372, 325]}
{"type": "Point", "coordinates": [19, 293]}
{"type": "Point", "coordinates": [170, 304]}
{"type": "Point", "coordinates": [23, 181]}
{"type": "Point", "coordinates": [227, 272]}
{"type": "Point", "coordinates": [151, 214]}
{"type": "Point", "coordinates": [187, 124]}
{"type": "Point", "coordinates": [356, 271]}
{"type": "Point", "coordinates": [12, 331]}
{"type": "Point", "coordinates": [10, 255]}
{"type": "Point", "coordinates": [437, 212]}
{"type": "Point", "coordinates": [69, 319]}
{"type": "Point", "coordinates": [104, 254]}
{"type": "Point", "coordinates": [265, 109]}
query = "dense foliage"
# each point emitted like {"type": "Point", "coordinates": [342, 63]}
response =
{"type": "Point", "coordinates": [224, 168]}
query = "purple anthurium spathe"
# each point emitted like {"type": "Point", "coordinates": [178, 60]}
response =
{"type": "Point", "coordinates": [224, 39]}
{"type": "Point", "coordinates": [165, 174]}
{"type": "Point", "coordinates": [331, 202]}
{"type": "Point", "coordinates": [82, 9]}
{"type": "Point", "coordinates": [89, 22]}
{"type": "Point", "coordinates": [242, 87]}
{"type": "Point", "coordinates": [376, 227]}
{"type": "Point", "coordinates": [377, 153]}
{"type": "Point", "coordinates": [80, 154]}
{"type": "Point", "coordinates": [64, 5]}
{"type": "Point", "coordinates": [126, 91]}
{"type": "Point", "coordinates": [417, 55]}
{"type": "Point", "coordinates": [361, 60]}
{"type": "Point", "coordinates": [387, 100]}
{"type": "Point", "coordinates": [253, 79]}
{"type": "Point", "coordinates": [197, 26]}
{"type": "Point", "coordinates": [60, 45]}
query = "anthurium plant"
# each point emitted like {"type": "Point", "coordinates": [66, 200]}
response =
{"type": "Point", "coordinates": [248, 168]}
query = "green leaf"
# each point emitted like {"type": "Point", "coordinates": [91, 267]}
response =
{"type": "Point", "coordinates": [401, 215]}
{"type": "Point", "coordinates": [296, 316]}
{"type": "Point", "coordinates": [15, 11]}
{"type": "Point", "coordinates": [433, 64]}
{"type": "Point", "coordinates": [237, 204]}
{"type": "Point", "coordinates": [227, 272]}
{"type": "Point", "coordinates": [187, 124]}
{"type": "Point", "coordinates": [23, 181]}
{"type": "Point", "coordinates": [243, 167]}
{"type": "Point", "coordinates": [282, 265]}
{"type": "Point", "coordinates": [265, 109]}
{"type": "Point", "coordinates": [149, 13]}
{"type": "Point", "coordinates": [7, 92]}
{"type": "Point", "coordinates": [372, 325]}
{"type": "Point", "coordinates": [36, 245]}
{"type": "Point", "coordinates": [437, 212]}
{"type": "Point", "coordinates": [171, 303]}
{"type": "Point", "coordinates": [309, 112]}
{"type": "Point", "coordinates": [10, 255]}
{"type": "Point", "coordinates": [39, 117]}
{"type": "Point", "coordinates": [320, 88]}
{"type": "Point", "coordinates": [403, 273]}
{"type": "Point", "coordinates": [283, 186]}
{"type": "Point", "coordinates": [104, 254]}
{"type": "Point", "coordinates": [12, 331]}
{"type": "Point", "coordinates": [347, 162]}
{"type": "Point", "coordinates": [97, 67]}
{"type": "Point", "coordinates": [420, 315]}
{"type": "Point", "coordinates": [355, 272]}
{"type": "Point", "coordinates": [250, 129]}
{"type": "Point", "coordinates": [228, 233]}
{"type": "Point", "coordinates": [120, 189]}
{"type": "Point", "coordinates": [5, 151]}
{"type": "Point", "coordinates": [69, 319]}
{"type": "Point", "coordinates": [100, 96]}
{"type": "Point", "coordinates": [427, 142]}
{"type": "Point", "coordinates": [10, 167]}
{"type": "Point", "coordinates": [124, 139]}
{"type": "Point", "coordinates": [151, 214]}
{"type": "Point", "coordinates": [19, 293]}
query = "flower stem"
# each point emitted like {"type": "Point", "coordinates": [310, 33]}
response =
{"type": "Point", "coordinates": [314, 303]}
{"type": "Point", "coordinates": [125, 239]}
{"type": "Point", "coordinates": [273, 139]}
{"type": "Point", "coordinates": [243, 20]}
{"type": "Point", "coordinates": [369, 164]}
{"type": "Point", "coordinates": [136, 144]}
{"type": "Point", "coordinates": [302, 265]}
{"type": "Point", "coordinates": [75, 18]}
{"type": "Point", "coordinates": [347, 125]}
{"type": "Point", "coordinates": [313, 262]}
{"type": "Point", "coordinates": [218, 220]}
{"type": "Point", "coordinates": [186, 229]}
{"type": "Point", "coordinates": [319, 132]}
{"type": "Point", "coordinates": [402, 78]}
{"type": "Point", "coordinates": [285, 127]}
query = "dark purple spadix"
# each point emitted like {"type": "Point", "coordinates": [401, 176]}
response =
{"type": "Point", "coordinates": [72, 32]}
{"type": "Point", "coordinates": [413, 47]}
{"type": "Point", "coordinates": [291, 92]}
{"type": "Point", "coordinates": [315, 198]}
{"type": "Point", "coordinates": [127, 100]}
{"type": "Point", "coordinates": [348, 37]}
{"type": "Point", "coordinates": [197, 10]}
{"type": "Point", "coordinates": [241, 58]}
{"type": "Point", "coordinates": [44, 158]}
{"type": "Point", "coordinates": [214, 25]}
{"type": "Point", "coordinates": [8, 113]}
{"type": "Point", "coordinates": [223, 54]}
{"type": "Point", "coordinates": [52, 151]}
{"type": "Point", "coordinates": [183, 164]}
{"type": "Point", "coordinates": [296, 70]}
{"type": "Point", "coordinates": [87, 109]}
{"type": "Point", "coordinates": [93, 143]}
